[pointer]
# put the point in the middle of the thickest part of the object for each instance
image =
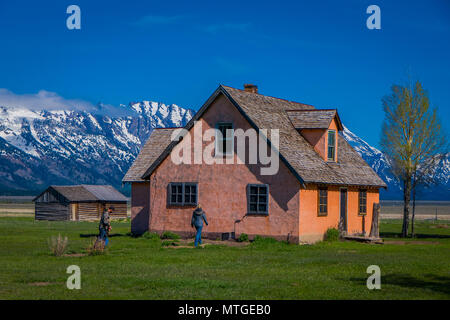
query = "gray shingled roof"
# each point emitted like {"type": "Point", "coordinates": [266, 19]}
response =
{"type": "Point", "coordinates": [265, 112]}
{"type": "Point", "coordinates": [270, 113]}
{"type": "Point", "coordinates": [87, 193]}
{"type": "Point", "coordinates": [312, 119]}
{"type": "Point", "coordinates": [153, 148]}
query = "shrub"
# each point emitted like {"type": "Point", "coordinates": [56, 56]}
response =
{"type": "Point", "coordinates": [243, 237]}
{"type": "Point", "coordinates": [150, 235]}
{"type": "Point", "coordinates": [168, 243]}
{"type": "Point", "coordinates": [332, 234]}
{"type": "Point", "coordinates": [262, 241]}
{"type": "Point", "coordinates": [170, 235]}
{"type": "Point", "coordinates": [57, 245]}
{"type": "Point", "coordinates": [96, 247]}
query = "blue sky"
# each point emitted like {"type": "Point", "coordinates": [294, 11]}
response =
{"type": "Point", "coordinates": [316, 52]}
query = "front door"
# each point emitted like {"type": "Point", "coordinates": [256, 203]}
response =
{"type": "Point", "coordinates": [343, 211]}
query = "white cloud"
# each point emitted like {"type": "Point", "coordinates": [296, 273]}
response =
{"type": "Point", "coordinates": [46, 100]}
{"type": "Point", "coordinates": [43, 100]}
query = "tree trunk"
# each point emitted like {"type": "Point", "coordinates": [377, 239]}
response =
{"type": "Point", "coordinates": [406, 200]}
{"type": "Point", "coordinates": [413, 212]}
{"type": "Point", "coordinates": [374, 229]}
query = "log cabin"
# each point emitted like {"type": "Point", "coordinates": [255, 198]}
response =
{"type": "Point", "coordinates": [79, 203]}
{"type": "Point", "coordinates": [321, 183]}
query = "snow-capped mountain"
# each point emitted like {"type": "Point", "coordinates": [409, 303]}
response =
{"type": "Point", "coordinates": [378, 161]}
{"type": "Point", "coordinates": [38, 148]}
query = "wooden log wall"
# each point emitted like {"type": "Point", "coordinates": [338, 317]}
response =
{"type": "Point", "coordinates": [93, 211]}
{"type": "Point", "coordinates": [88, 211]}
{"type": "Point", "coordinates": [119, 212]}
{"type": "Point", "coordinates": [51, 211]}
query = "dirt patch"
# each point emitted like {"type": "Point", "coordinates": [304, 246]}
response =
{"type": "Point", "coordinates": [440, 226]}
{"type": "Point", "coordinates": [40, 284]}
{"type": "Point", "coordinates": [410, 242]}
{"type": "Point", "coordinates": [75, 255]}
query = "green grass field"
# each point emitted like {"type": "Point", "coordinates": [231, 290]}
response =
{"type": "Point", "coordinates": [137, 268]}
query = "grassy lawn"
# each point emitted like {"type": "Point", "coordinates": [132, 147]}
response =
{"type": "Point", "coordinates": [138, 268]}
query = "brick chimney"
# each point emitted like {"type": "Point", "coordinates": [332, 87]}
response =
{"type": "Point", "coordinates": [250, 88]}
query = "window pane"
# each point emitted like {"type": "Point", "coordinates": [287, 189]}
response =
{"type": "Point", "coordinates": [331, 138]}
{"type": "Point", "coordinates": [330, 152]}
{"type": "Point", "coordinates": [253, 198]}
{"type": "Point", "coordinates": [174, 189]}
{"type": "Point", "coordinates": [262, 208]}
{"type": "Point", "coordinates": [227, 146]}
{"type": "Point", "coordinates": [179, 188]}
{"type": "Point", "coordinates": [262, 199]}
{"type": "Point", "coordinates": [253, 207]}
{"type": "Point", "coordinates": [193, 199]}
{"type": "Point", "coordinates": [225, 138]}
{"type": "Point", "coordinates": [253, 190]}
{"type": "Point", "coordinates": [187, 189]}
{"type": "Point", "coordinates": [262, 190]}
{"type": "Point", "coordinates": [173, 198]}
{"type": "Point", "coordinates": [179, 198]}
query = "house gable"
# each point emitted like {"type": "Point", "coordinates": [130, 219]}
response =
{"type": "Point", "coordinates": [222, 188]}
{"type": "Point", "coordinates": [318, 138]}
{"type": "Point", "coordinates": [221, 91]}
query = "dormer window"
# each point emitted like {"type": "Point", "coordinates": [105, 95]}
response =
{"type": "Point", "coordinates": [319, 127]}
{"type": "Point", "coordinates": [331, 145]}
{"type": "Point", "coordinates": [224, 139]}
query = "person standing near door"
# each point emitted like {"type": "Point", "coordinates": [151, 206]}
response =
{"type": "Point", "coordinates": [198, 216]}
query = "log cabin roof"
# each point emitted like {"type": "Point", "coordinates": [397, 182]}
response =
{"type": "Point", "coordinates": [88, 193]}
{"type": "Point", "coordinates": [265, 112]}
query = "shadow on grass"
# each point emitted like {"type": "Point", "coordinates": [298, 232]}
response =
{"type": "Point", "coordinates": [417, 236]}
{"type": "Point", "coordinates": [429, 282]}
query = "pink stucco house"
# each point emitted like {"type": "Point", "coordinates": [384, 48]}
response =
{"type": "Point", "coordinates": [321, 181]}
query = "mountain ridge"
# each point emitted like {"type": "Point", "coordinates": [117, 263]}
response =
{"type": "Point", "coordinates": [43, 147]}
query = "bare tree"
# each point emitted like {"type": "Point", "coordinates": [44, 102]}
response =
{"type": "Point", "coordinates": [411, 137]}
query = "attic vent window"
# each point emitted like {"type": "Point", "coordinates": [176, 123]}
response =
{"type": "Point", "coordinates": [331, 145]}
{"type": "Point", "coordinates": [224, 139]}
